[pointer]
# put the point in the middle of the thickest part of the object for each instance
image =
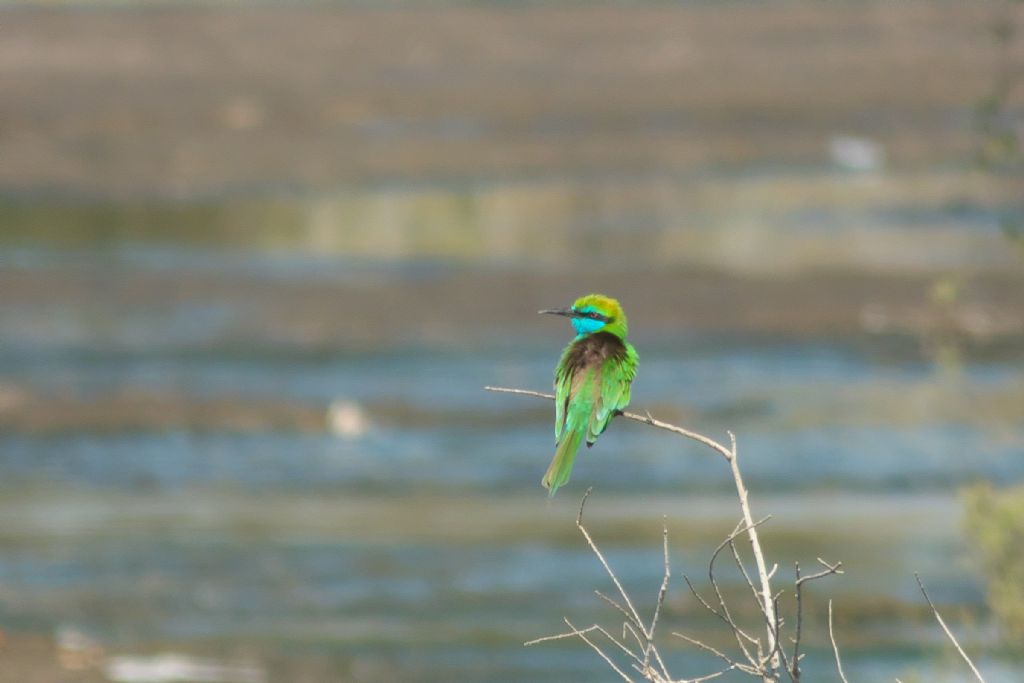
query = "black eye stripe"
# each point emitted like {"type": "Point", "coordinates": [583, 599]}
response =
{"type": "Point", "coordinates": [593, 315]}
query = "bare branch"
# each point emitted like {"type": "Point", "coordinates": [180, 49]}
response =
{"type": "Point", "coordinates": [821, 574]}
{"type": "Point", "coordinates": [633, 615]}
{"type": "Point", "coordinates": [557, 636]}
{"type": "Point", "coordinates": [778, 641]}
{"type": "Point", "coordinates": [743, 571]}
{"type": "Point", "coordinates": [709, 676]}
{"type": "Point", "coordinates": [799, 623]}
{"type": "Point", "coordinates": [730, 455]}
{"type": "Point", "coordinates": [630, 612]}
{"type": "Point", "coordinates": [738, 632]}
{"type": "Point", "coordinates": [578, 633]}
{"type": "Point", "coordinates": [598, 650]}
{"type": "Point", "coordinates": [664, 581]}
{"type": "Point", "coordinates": [522, 392]}
{"type": "Point", "coordinates": [727, 618]}
{"type": "Point", "coordinates": [766, 663]}
{"type": "Point", "coordinates": [766, 601]}
{"type": "Point", "coordinates": [646, 419]}
{"type": "Point", "coordinates": [721, 655]}
{"type": "Point", "coordinates": [740, 529]}
{"type": "Point", "coordinates": [626, 626]}
{"type": "Point", "coordinates": [620, 644]}
{"type": "Point", "coordinates": [835, 648]}
{"type": "Point", "coordinates": [949, 634]}
{"type": "Point", "coordinates": [662, 592]}
{"type": "Point", "coordinates": [799, 583]}
{"type": "Point", "coordinates": [828, 571]}
{"type": "Point", "coordinates": [614, 604]}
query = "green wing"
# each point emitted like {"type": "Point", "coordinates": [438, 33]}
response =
{"type": "Point", "coordinates": [616, 377]}
{"type": "Point", "coordinates": [586, 399]}
{"type": "Point", "coordinates": [563, 387]}
{"type": "Point", "coordinates": [574, 407]}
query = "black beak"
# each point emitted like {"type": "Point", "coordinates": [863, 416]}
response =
{"type": "Point", "coordinates": [567, 312]}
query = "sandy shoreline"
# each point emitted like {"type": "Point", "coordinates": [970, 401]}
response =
{"type": "Point", "coordinates": [179, 100]}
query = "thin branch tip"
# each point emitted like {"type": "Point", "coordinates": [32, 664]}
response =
{"type": "Point", "coordinates": [583, 502]}
{"type": "Point", "coordinates": [949, 633]}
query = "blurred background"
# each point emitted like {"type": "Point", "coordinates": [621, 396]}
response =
{"type": "Point", "coordinates": [257, 262]}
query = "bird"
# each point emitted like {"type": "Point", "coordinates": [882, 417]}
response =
{"type": "Point", "coordinates": [592, 380]}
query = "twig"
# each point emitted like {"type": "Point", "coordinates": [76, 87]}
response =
{"type": "Point", "coordinates": [828, 571]}
{"type": "Point", "coordinates": [799, 583]}
{"type": "Point", "coordinates": [767, 603]}
{"type": "Point", "coordinates": [628, 627]}
{"type": "Point", "coordinates": [738, 632]}
{"type": "Point", "coordinates": [709, 676]}
{"type": "Point", "coordinates": [835, 648]}
{"type": "Point", "coordinates": [614, 604]}
{"type": "Point", "coordinates": [575, 634]}
{"type": "Point", "coordinates": [599, 651]}
{"type": "Point", "coordinates": [778, 641]}
{"type": "Point", "coordinates": [740, 528]}
{"type": "Point", "coordinates": [949, 634]}
{"type": "Point", "coordinates": [646, 419]}
{"type": "Point", "coordinates": [633, 615]}
{"type": "Point", "coordinates": [743, 571]}
{"type": "Point", "coordinates": [721, 655]}
{"type": "Point", "coordinates": [665, 578]}
{"type": "Point", "coordinates": [725, 615]}
{"type": "Point", "coordinates": [662, 592]}
{"type": "Point", "coordinates": [799, 623]}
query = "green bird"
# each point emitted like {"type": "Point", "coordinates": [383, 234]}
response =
{"type": "Point", "coordinates": [592, 380]}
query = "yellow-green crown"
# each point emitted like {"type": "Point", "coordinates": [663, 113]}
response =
{"type": "Point", "coordinates": [608, 307]}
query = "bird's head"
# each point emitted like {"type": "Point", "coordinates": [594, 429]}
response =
{"type": "Point", "coordinates": [595, 313]}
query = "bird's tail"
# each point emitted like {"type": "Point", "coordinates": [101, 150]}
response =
{"type": "Point", "coordinates": [561, 465]}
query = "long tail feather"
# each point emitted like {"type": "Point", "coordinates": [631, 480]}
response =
{"type": "Point", "coordinates": [561, 465]}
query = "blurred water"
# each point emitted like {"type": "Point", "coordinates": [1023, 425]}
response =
{"type": "Point", "coordinates": [422, 548]}
{"type": "Point", "coordinates": [777, 399]}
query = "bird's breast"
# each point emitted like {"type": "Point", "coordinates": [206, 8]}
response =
{"type": "Point", "coordinates": [593, 350]}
